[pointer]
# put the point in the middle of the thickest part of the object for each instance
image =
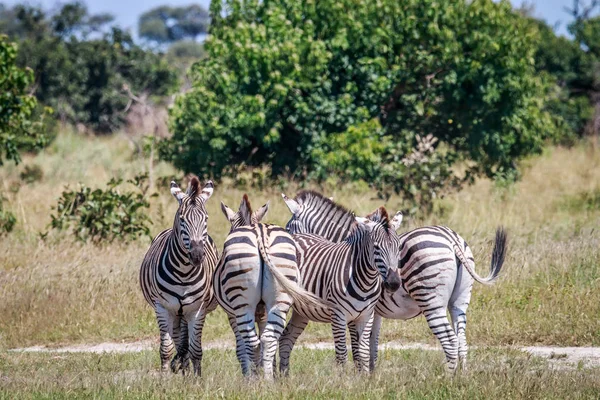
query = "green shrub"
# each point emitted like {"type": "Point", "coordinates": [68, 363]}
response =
{"type": "Point", "coordinates": [104, 215]}
{"type": "Point", "coordinates": [588, 201]}
{"type": "Point", "coordinates": [32, 173]}
{"type": "Point", "coordinates": [7, 219]}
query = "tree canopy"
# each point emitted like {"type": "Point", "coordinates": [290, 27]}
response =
{"type": "Point", "coordinates": [20, 127]}
{"type": "Point", "coordinates": [81, 63]}
{"type": "Point", "coordinates": [288, 82]}
{"type": "Point", "coordinates": [167, 24]}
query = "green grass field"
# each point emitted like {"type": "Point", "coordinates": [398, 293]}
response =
{"type": "Point", "coordinates": [63, 292]}
{"type": "Point", "coordinates": [414, 374]}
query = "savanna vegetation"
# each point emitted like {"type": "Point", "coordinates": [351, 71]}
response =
{"type": "Point", "coordinates": [470, 114]}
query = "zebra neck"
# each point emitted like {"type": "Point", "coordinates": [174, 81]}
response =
{"type": "Point", "coordinates": [364, 270]}
{"type": "Point", "coordinates": [179, 260]}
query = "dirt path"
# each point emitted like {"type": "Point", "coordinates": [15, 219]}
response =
{"type": "Point", "coordinates": [560, 357]}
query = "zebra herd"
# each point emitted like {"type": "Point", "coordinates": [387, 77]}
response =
{"type": "Point", "coordinates": [326, 265]}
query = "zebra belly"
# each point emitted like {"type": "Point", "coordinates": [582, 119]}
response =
{"type": "Point", "coordinates": [398, 305]}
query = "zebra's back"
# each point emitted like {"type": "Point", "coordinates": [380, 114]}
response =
{"type": "Point", "coordinates": [238, 281]}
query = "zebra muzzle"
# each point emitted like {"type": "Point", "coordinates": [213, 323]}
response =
{"type": "Point", "coordinates": [196, 252]}
{"type": "Point", "coordinates": [392, 283]}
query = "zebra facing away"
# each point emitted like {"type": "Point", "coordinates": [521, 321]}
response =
{"type": "Point", "coordinates": [258, 276]}
{"type": "Point", "coordinates": [176, 275]}
{"type": "Point", "coordinates": [348, 274]}
{"type": "Point", "coordinates": [432, 264]}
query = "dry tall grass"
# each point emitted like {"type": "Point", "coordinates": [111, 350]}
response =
{"type": "Point", "coordinates": [62, 291]}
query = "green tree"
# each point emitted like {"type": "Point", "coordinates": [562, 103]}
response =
{"type": "Point", "coordinates": [81, 76]}
{"type": "Point", "coordinates": [20, 127]}
{"type": "Point", "coordinates": [167, 24]}
{"type": "Point", "coordinates": [283, 79]}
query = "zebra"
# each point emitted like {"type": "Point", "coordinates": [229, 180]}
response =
{"type": "Point", "coordinates": [432, 280]}
{"type": "Point", "coordinates": [348, 274]}
{"type": "Point", "coordinates": [258, 274]}
{"type": "Point", "coordinates": [175, 278]}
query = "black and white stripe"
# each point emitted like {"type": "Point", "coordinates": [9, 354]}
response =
{"type": "Point", "coordinates": [257, 281]}
{"type": "Point", "coordinates": [176, 277]}
{"type": "Point", "coordinates": [432, 261]}
{"type": "Point", "coordinates": [348, 274]}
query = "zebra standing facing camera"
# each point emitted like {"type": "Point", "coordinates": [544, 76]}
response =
{"type": "Point", "coordinates": [176, 277]}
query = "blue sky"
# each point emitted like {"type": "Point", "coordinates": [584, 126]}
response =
{"type": "Point", "coordinates": [127, 11]}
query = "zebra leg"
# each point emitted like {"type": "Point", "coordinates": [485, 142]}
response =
{"type": "Point", "coordinates": [353, 342]}
{"type": "Point", "coordinates": [260, 316]}
{"type": "Point", "coordinates": [247, 330]}
{"type": "Point", "coordinates": [374, 341]}
{"type": "Point", "coordinates": [195, 326]}
{"type": "Point", "coordinates": [165, 325]}
{"type": "Point", "coordinates": [363, 331]}
{"type": "Point", "coordinates": [441, 328]}
{"type": "Point", "coordinates": [338, 327]}
{"type": "Point", "coordinates": [240, 347]}
{"type": "Point", "coordinates": [180, 340]}
{"type": "Point", "coordinates": [270, 336]}
{"type": "Point", "coordinates": [292, 331]}
{"type": "Point", "coordinates": [458, 312]}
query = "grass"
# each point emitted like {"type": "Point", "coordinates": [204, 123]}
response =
{"type": "Point", "coordinates": [410, 374]}
{"type": "Point", "coordinates": [61, 291]}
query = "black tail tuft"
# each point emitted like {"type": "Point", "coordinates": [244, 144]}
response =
{"type": "Point", "coordinates": [499, 252]}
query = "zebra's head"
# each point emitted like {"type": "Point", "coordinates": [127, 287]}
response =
{"type": "Point", "coordinates": [191, 218]}
{"type": "Point", "coordinates": [386, 246]}
{"type": "Point", "coordinates": [244, 216]}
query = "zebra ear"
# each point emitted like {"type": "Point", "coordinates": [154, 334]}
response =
{"type": "Point", "coordinates": [292, 204]}
{"type": "Point", "coordinates": [260, 213]}
{"type": "Point", "coordinates": [366, 223]}
{"type": "Point", "coordinates": [176, 192]}
{"type": "Point", "coordinates": [396, 221]}
{"type": "Point", "coordinates": [228, 212]}
{"type": "Point", "coordinates": [207, 190]}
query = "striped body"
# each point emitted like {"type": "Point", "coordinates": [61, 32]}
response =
{"type": "Point", "coordinates": [348, 275]}
{"type": "Point", "coordinates": [257, 277]}
{"type": "Point", "coordinates": [433, 261]}
{"type": "Point", "coordinates": [176, 279]}
{"type": "Point", "coordinates": [167, 277]}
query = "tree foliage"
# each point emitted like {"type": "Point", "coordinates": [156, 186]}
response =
{"type": "Point", "coordinates": [21, 127]}
{"type": "Point", "coordinates": [81, 64]}
{"type": "Point", "coordinates": [167, 24]}
{"type": "Point", "coordinates": [292, 84]}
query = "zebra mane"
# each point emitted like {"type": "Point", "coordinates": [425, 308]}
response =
{"type": "Point", "coordinates": [338, 215]}
{"type": "Point", "coordinates": [382, 217]}
{"type": "Point", "coordinates": [192, 190]}
{"type": "Point", "coordinates": [246, 210]}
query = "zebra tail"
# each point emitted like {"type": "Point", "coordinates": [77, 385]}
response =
{"type": "Point", "coordinates": [498, 255]}
{"type": "Point", "coordinates": [300, 295]}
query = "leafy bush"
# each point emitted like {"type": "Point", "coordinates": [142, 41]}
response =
{"type": "Point", "coordinates": [104, 215]}
{"type": "Point", "coordinates": [20, 127]}
{"type": "Point", "coordinates": [287, 82]}
{"type": "Point", "coordinates": [32, 173]}
{"type": "Point", "coordinates": [7, 219]}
